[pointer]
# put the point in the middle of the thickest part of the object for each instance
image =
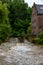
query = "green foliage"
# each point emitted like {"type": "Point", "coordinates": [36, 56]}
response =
{"type": "Point", "coordinates": [41, 35]}
{"type": "Point", "coordinates": [17, 19]}
{"type": "Point", "coordinates": [18, 1]}
{"type": "Point", "coordinates": [37, 40]}
{"type": "Point", "coordinates": [5, 31]}
{"type": "Point", "coordinates": [18, 28]}
{"type": "Point", "coordinates": [41, 41]}
{"type": "Point", "coordinates": [5, 28]}
{"type": "Point", "coordinates": [3, 13]}
{"type": "Point", "coordinates": [6, 1]}
{"type": "Point", "coordinates": [20, 18]}
{"type": "Point", "coordinates": [29, 30]}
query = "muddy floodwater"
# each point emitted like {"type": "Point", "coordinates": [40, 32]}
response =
{"type": "Point", "coordinates": [16, 53]}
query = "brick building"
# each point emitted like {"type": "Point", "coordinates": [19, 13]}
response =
{"type": "Point", "coordinates": [37, 19]}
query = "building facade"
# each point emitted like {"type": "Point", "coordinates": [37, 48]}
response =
{"type": "Point", "coordinates": [37, 19]}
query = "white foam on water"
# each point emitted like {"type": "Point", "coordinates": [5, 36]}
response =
{"type": "Point", "coordinates": [21, 48]}
{"type": "Point", "coordinates": [2, 54]}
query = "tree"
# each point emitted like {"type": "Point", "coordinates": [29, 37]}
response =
{"type": "Point", "coordinates": [20, 18]}
{"type": "Point", "coordinates": [5, 28]}
{"type": "Point", "coordinates": [18, 1]}
{"type": "Point", "coordinates": [6, 1]}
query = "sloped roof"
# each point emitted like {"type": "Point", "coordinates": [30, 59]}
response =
{"type": "Point", "coordinates": [39, 9]}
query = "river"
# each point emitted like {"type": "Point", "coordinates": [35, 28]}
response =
{"type": "Point", "coordinates": [16, 53]}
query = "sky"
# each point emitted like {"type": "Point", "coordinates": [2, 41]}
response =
{"type": "Point", "coordinates": [30, 2]}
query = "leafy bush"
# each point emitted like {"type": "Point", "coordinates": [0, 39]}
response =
{"type": "Point", "coordinates": [41, 41]}
{"type": "Point", "coordinates": [5, 29]}
{"type": "Point", "coordinates": [37, 40]}
{"type": "Point", "coordinates": [20, 18]}
{"type": "Point", "coordinates": [41, 35]}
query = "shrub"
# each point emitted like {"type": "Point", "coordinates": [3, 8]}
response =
{"type": "Point", "coordinates": [5, 29]}
{"type": "Point", "coordinates": [0, 41]}
{"type": "Point", "coordinates": [41, 35]}
{"type": "Point", "coordinates": [41, 41]}
{"type": "Point", "coordinates": [37, 40]}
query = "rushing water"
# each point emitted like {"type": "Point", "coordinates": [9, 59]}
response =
{"type": "Point", "coordinates": [13, 53]}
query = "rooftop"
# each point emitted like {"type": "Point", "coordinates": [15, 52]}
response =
{"type": "Point", "coordinates": [39, 8]}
